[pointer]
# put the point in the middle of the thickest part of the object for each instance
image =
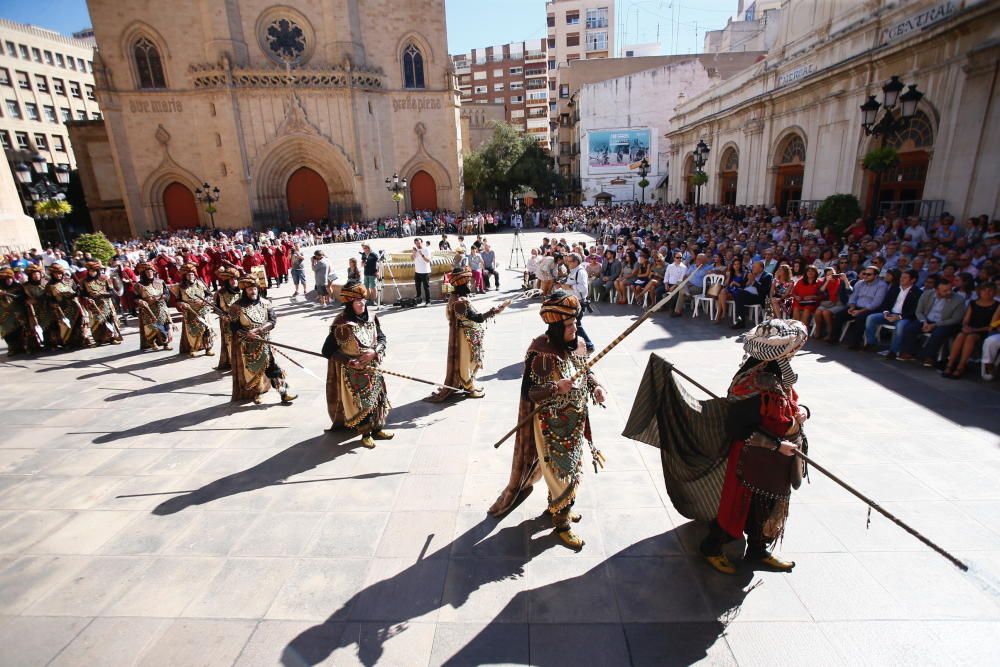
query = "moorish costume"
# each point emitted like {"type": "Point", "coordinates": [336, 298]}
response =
{"type": "Point", "coordinates": [730, 461]}
{"type": "Point", "coordinates": [356, 394]}
{"type": "Point", "coordinates": [228, 294]}
{"type": "Point", "coordinates": [191, 296]}
{"type": "Point", "coordinates": [255, 370]}
{"type": "Point", "coordinates": [70, 326]}
{"type": "Point", "coordinates": [155, 329]}
{"type": "Point", "coordinates": [466, 339]}
{"type": "Point", "coordinates": [551, 445]}
{"type": "Point", "coordinates": [36, 308]}
{"type": "Point", "coordinates": [14, 325]}
{"type": "Point", "coordinates": [97, 293]}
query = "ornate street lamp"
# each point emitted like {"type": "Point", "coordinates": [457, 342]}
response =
{"type": "Point", "coordinates": [48, 199]}
{"type": "Point", "coordinates": [700, 158]}
{"type": "Point", "coordinates": [643, 172]}
{"type": "Point", "coordinates": [208, 196]}
{"type": "Point", "coordinates": [396, 186]}
{"type": "Point", "coordinates": [888, 124]}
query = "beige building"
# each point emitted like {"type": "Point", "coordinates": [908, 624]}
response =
{"type": "Point", "coordinates": [46, 80]}
{"type": "Point", "coordinates": [514, 75]}
{"type": "Point", "coordinates": [754, 29]}
{"type": "Point", "coordinates": [788, 130]}
{"type": "Point", "coordinates": [478, 121]}
{"type": "Point", "coordinates": [577, 30]}
{"type": "Point", "coordinates": [296, 111]}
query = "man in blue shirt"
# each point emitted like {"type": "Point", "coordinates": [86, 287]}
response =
{"type": "Point", "coordinates": [867, 297]}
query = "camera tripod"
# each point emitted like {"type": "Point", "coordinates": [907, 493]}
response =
{"type": "Point", "coordinates": [517, 260]}
{"type": "Point", "coordinates": [384, 266]}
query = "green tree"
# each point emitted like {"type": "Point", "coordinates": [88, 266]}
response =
{"type": "Point", "coordinates": [509, 162]}
{"type": "Point", "coordinates": [96, 244]}
{"type": "Point", "coordinates": [838, 212]}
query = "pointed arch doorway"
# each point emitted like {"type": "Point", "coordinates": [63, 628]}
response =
{"type": "Point", "coordinates": [423, 192]}
{"type": "Point", "coordinates": [307, 196]}
{"type": "Point", "coordinates": [179, 206]}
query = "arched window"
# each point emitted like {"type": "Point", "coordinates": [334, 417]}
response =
{"type": "Point", "coordinates": [148, 66]}
{"type": "Point", "coordinates": [794, 151]}
{"type": "Point", "coordinates": [413, 67]}
{"type": "Point", "coordinates": [917, 133]}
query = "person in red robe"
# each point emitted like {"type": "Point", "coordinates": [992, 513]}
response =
{"type": "Point", "coordinates": [162, 264]}
{"type": "Point", "coordinates": [281, 263]}
{"type": "Point", "coordinates": [270, 264]}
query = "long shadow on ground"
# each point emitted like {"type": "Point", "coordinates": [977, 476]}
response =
{"type": "Point", "coordinates": [287, 463]}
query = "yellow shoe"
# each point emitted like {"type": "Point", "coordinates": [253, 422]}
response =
{"type": "Point", "coordinates": [575, 517]}
{"type": "Point", "coordinates": [209, 353]}
{"type": "Point", "coordinates": [257, 400]}
{"type": "Point", "coordinates": [383, 435]}
{"type": "Point", "coordinates": [721, 563]}
{"type": "Point", "coordinates": [368, 442]}
{"type": "Point", "coordinates": [475, 393]}
{"type": "Point", "coordinates": [288, 398]}
{"type": "Point", "coordinates": [776, 563]}
{"type": "Point", "coordinates": [570, 539]}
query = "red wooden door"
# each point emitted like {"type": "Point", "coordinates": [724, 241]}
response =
{"type": "Point", "coordinates": [307, 195]}
{"type": "Point", "coordinates": [180, 207]}
{"type": "Point", "coordinates": [423, 192]}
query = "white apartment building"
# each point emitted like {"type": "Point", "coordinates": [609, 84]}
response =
{"type": "Point", "coordinates": [577, 30]}
{"type": "Point", "coordinates": [46, 80]}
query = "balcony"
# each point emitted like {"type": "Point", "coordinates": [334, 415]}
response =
{"type": "Point", "coordinates": [535, 55]}
{"type": "Point", "coordinates": [536, 85]}
{"type": "Point", "coordinates": [536, 72]}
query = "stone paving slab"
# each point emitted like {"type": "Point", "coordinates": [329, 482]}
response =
{"type": "Point", "coordinates": [146, 520]}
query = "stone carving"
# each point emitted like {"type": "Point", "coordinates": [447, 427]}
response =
{"type": "Point", "coordinates": [162, 136]}
{"type": "Point", "coordinates": [214, 76]}
{"type": "Point", "coordinates": [296, 121]}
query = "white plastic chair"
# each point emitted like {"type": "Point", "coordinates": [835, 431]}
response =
{"type": "Point", "coordinates": [703, 298]}
{"type": "Point", "coordinates": [756, 312]}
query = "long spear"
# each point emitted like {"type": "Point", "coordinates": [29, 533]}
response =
{"type": "Point", "coordinates": [381, 370]}
{"type": "Point", "coordinates": [593, 360]}
{"type": "Point", "coordinates": [850, 489]}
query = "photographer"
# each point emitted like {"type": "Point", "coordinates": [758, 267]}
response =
{"type": "Point", "coordinates": [370, 260]}
{"type": "Point", "coordinates": [421, 270]}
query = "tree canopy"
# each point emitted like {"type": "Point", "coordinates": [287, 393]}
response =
{"type": "Point", "coordinates": [509, 163]}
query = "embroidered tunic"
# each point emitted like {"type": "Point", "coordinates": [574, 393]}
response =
{"type": "Point", "coordinates": [97, 298]}
{"type": "Point", "coordinates": [224, 300]}
{"type": "Point", "coordinates": [254, 368]}
{"type": "Point", "coordinates": [196, 335]}
{"type": "Point", "coordinates": [356, 397]}
{"type": "Point", "coordinates": [154, 318]}
{"type": "Point", "coordinates": [466, 345]}
{"type": "Point", "coordinates": [552, 444]}
{"type": "Point", "coordinates": [14, 325]}
{"type": "Point", "coordinates": [70, 325]}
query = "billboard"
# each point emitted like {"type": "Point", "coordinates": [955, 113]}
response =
{"type": "Point", "coordinates": [617, 151]}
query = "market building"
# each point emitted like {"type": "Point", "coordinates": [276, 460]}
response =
{"type": "Point", "coordinates": [788, 130]}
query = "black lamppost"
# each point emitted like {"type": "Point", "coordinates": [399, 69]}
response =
{"type": "Point", "coordinates": [643, 172]}
{"type": "Point", "coordinates": [700, 158]}
{"type": "Point", "coordinates": [888, 124]}
{"type": "Point", "coordinates": [208, 195]}
{"type": "Point", "coordinates": [44, 189]}
{"type": "Point", "coordinates": [396, 186]}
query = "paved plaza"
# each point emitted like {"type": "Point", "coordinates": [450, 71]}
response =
{"type": "Point", "coordinates": [144, 519]}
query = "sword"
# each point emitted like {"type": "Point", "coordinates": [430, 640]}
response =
{"type": "Point", "coordinates": [600, 355]}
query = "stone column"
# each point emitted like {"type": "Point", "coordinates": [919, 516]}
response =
{"type": "Point", "coordinates": [17, 230]}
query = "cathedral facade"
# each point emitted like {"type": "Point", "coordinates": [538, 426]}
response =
{"type": "Point", "coordinates": [297, 112]}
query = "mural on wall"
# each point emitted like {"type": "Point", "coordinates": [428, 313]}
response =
{"type": "Point", "coordinates": [617, 151]}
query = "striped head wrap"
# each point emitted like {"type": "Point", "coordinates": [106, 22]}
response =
{"type": "Point", "coordinates": [559, 307]}
{"type": "Point", "coordinates": [774, 339]}
{"type": "Point", "coordinates": [6, 272]}
{"type": "Point", "coordinates": [188, 267]}
{"type": "Point", "coordinates": [226, 273]}
{"type": "Point", "coordinates": [461, 276]}
{"type": "Point", "coordinates": [352, 291]}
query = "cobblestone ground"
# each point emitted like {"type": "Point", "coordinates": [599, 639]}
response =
{"type": "Point", "coordinates": [146, 519]}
